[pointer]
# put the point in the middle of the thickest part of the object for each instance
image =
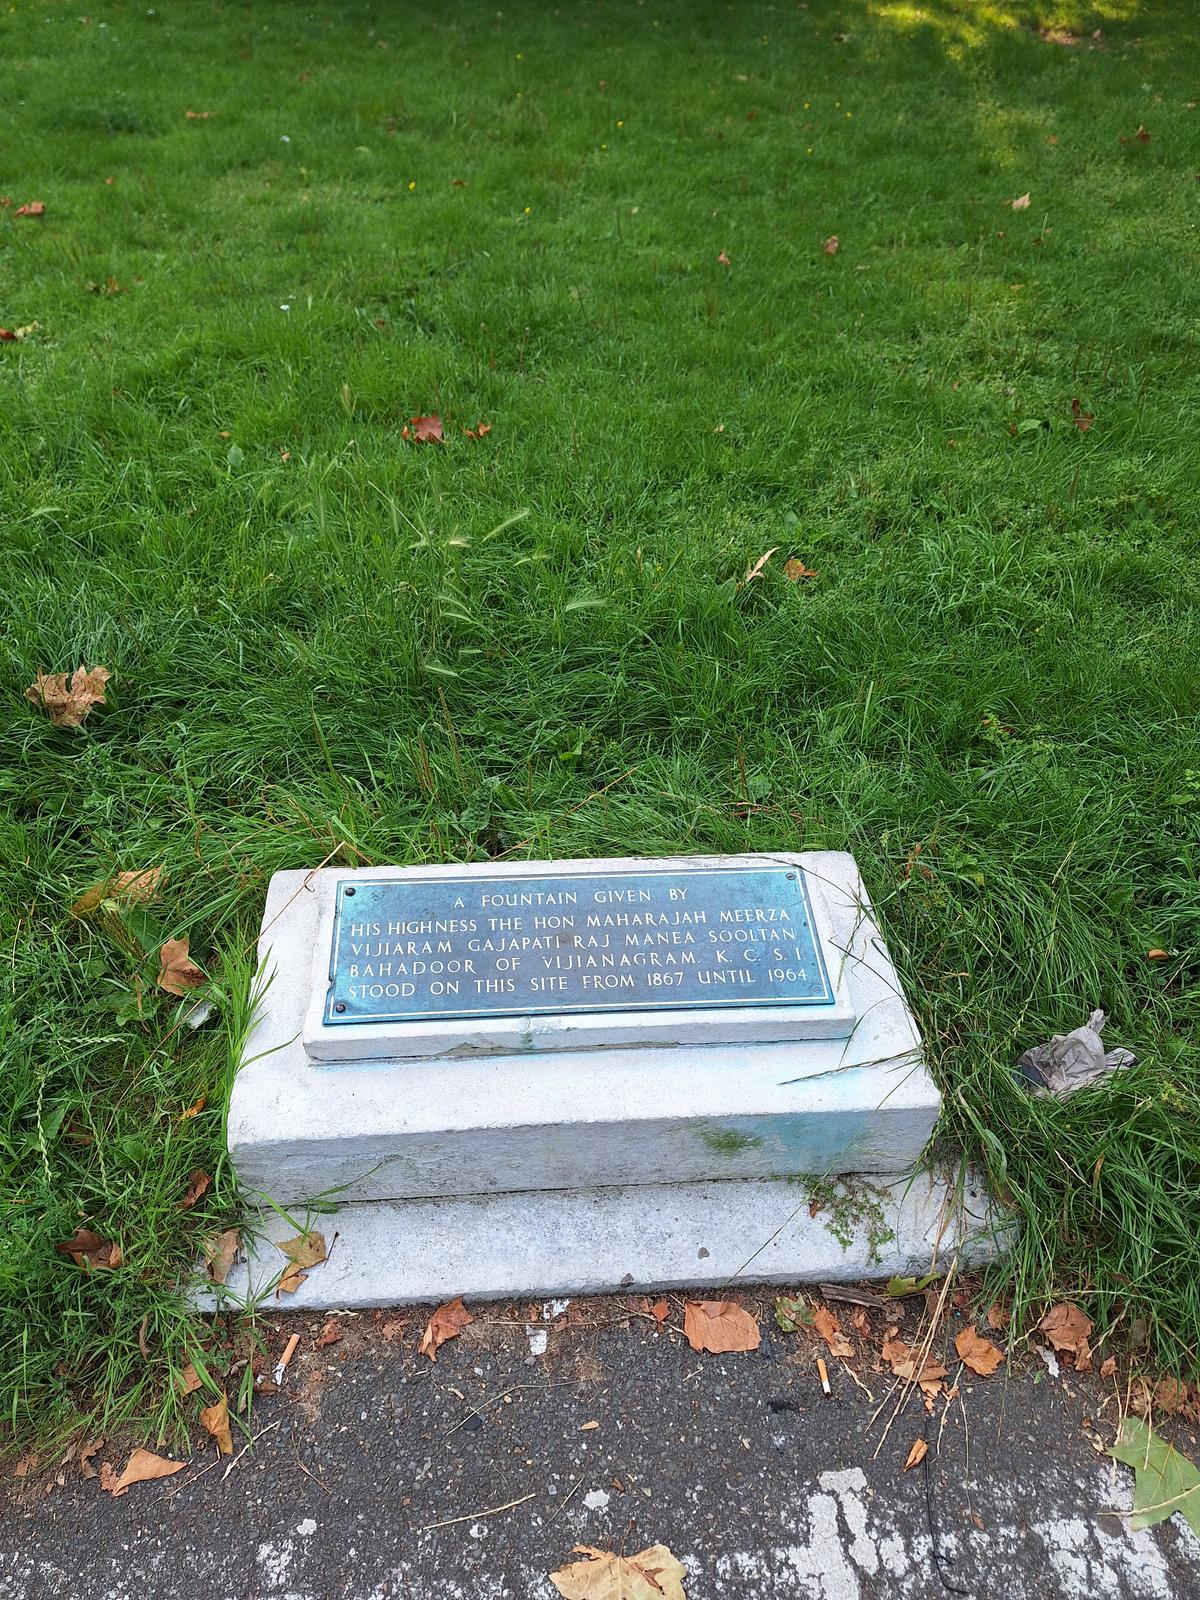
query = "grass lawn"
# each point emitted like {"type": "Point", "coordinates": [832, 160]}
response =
{"type": "Point", "coordinates": [274, 233]}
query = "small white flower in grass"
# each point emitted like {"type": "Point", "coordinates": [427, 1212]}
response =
{"type": "Point", "coordinates": [285, 308]}
{"type": "Point", "coordinates": [285, 138]}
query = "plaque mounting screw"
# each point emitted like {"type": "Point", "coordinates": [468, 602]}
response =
{"type": "Point", "coordinates": [351, 890]}
{"type": "Point", "coordinates": [340, 1007]}
{"type": "Point", "coordinates": [791, 879]}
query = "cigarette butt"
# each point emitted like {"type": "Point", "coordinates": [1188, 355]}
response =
{"type": "Point", "coordinates": [823, 1371]}
{"type": "Point", "coordinates": [288, 1353]}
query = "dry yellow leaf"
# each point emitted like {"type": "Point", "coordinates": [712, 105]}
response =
{"type": "Point", "coordinates": [916, 1455]}
{"type": "Point", "coordinates": [652, 1574]}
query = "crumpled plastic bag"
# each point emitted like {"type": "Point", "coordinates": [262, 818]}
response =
{"type": "Point", "coordinates": [1071, 1061]}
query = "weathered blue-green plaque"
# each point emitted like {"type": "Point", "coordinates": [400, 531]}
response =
{"type": "Point", "coordinates": [416, 949]}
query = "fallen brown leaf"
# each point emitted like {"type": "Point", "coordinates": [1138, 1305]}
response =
{"type": "Point", "coordinates": [305, 1250]}
{"type": "Point", "coordinates": [660, 1310]}
{"type": "Point", "coordinates": [794, 569]}
{"type": "Point", "coordinates": [447, 1322]}
{"type": "Point", "coordinates": [1171, 1396]}
{"type": "Point", "coordinates": [189, 1380]}
{"type": "Point", "coordinates": [1158, 955]}
{"type": "Point", "coordinates": [832, 245]}
{"type": "Point", "coordinates": [427, 430]}
{"type": "Point", "coordinates": [1108, 1366]}
{"type": "Point", "coordinates": [34, 208]}
{"type": "Point", "coordinates": [331, 1333]}
{"type": "Point", "coordinates": [197, 116]}
{"type": "Point", "coordinates": [194, 1110]}
{"type": "Point", "coordinates": [651, 1574]}
{"type": "Point", "coordinates": [904, 1362]}
{"type": "Point", "coordinates": [723, 260]}
{"type": "Point", "coordinates": [198, 1185]}
{"type": "Point", "coordinates": [1083, 419]}
{"type": "Point", "coordinates": [177, 973]}
{"type": "Point", "coordinates": [720, 1327]}
{"type": "Point", "coordinates": [86, 1452]}
{"type": "Point", "coordinates": [479, 431]}
{"type": "Point", "coordinates": [916, 1455]}
{"type": "Point", "coordinates": [998, 1317]}
{"type": "Point", "coordinates": [129, 886]}
{"type": "Point", "coordinates": [394, 1329]}
{"type": "Point", "coordinates": [978, 1353]}
{"type": "Point", "coordinates": [68, 700]}
{"type": "Point", "coordinates": [214, 1420]}
{"type": "Point", "coordinates": [88, 1250]}
{"type": "Point", "coordinates": [142, 1467]}
{"type": "Point", "coordinates": [830, 1329]}
{"type": "Point", "coordinates": [221, 1253]}
{"type": "Point", "coordinates": [1066, 1327]}
{"type": "Point", "coordinates": [588, 1427]}
{"type": "Point", "coordinates": [755, 568]}
{"type": "Point", "coordinates": [1021, 203]}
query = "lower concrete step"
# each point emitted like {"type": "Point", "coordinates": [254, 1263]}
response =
{"type": "Point", "coordinates": [659, 1236]}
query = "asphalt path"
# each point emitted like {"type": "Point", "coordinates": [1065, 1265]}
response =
{"type": "Point", "coordinates": [378, 1473]}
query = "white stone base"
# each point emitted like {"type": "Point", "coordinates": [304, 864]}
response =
{"type": "Point", "coordinates": [577, 1118]}
{"type": "Point", "coordinates": [648, 1237]}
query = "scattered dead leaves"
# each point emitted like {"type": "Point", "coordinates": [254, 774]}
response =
{"type": "Point", "coordinates": [651, 1574]}
{"type": "Point", "coordinates": [978, 1353]}
{"type": "Point", "coordinates": [830, 1329]}
{"type": "Point", "coordinates": [177, 972]}
{"type": "Point", "coordinates": [479, 431]}
{"type": "Point", "coordinates": [131, 887]}
{"type": "Point", "coordinates": [221, 1253]}
{"type": "Point", "coordinates": [720, 1327]}
{"type": "Point", "coordinates": [916, 1455]}
{"type": "Point", "coordinates": [68, 700]}
{"type": "Point", "coordinates": [88, 1250]}
{"type": "Point", "coordinates": [214, 1420]}
{"type": "Point", "coordinates": [331, 1333]}
{"type": "Point", "coordinates": [447, 1322]}
{"type": "Point", "coordinates": [198, 1184]}
{"type": "Point", "coordinates": [142, 1467]}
